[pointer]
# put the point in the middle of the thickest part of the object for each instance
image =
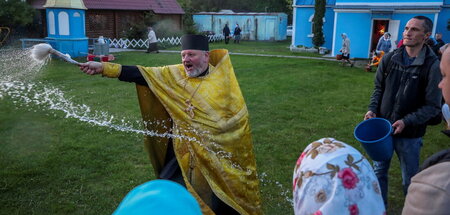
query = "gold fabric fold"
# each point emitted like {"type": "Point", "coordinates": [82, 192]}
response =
{"type": "Point", "coordinates": [157, 120]}
{"type": "Point", "coordinates": [214, 145]}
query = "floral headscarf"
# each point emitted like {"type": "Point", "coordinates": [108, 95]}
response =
{"type": "Point", "coordinates": [344, 36]}
{"type": "Point", "coordinates": [331, 177]}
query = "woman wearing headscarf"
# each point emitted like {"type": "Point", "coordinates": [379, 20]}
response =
{"type": "Point", "coordinates": [345, 50]}
{"type": "Point", "coordinates": [331, 177]}
{"type": "Point", "coordinates": [384, 43]}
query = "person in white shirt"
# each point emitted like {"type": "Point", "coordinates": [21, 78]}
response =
{"type": "Point", "coordinates": [152, 41]}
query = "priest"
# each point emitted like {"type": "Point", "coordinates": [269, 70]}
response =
{"type": "Point", "coordinates": [200, 104]}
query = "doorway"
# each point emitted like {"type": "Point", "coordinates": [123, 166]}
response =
{"type": "Point", "coordinates": [378, 29]}
{"type": "Point", "coordinates": [270, 29]}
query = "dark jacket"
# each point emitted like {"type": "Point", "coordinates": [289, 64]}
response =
{"type": "Point", "coordinates": [237, 31]}
{"type": "Point", "coordinates": [226, 31]}
{"type": "Point", "coordinates": [409, 93]}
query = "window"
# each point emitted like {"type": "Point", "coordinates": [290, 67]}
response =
{"type": "Point", "coordinates": [51, 22]}
{"type": "Point", "coordinates": [312, 23]}
{"type": "Point", "coordinates": [63, 23]}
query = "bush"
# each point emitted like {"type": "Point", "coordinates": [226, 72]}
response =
{"type": "Point", "coordinates": [136, 31]}
{"type": "Point", "coordinates": [167, 28]}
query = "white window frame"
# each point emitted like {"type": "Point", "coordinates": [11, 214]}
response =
{"type": "Point", "coordinates": [51, 23]}
{"type": "Point", "coordinates": [63, 23]}
{"type": "Point", "coordinates": [312, 23]}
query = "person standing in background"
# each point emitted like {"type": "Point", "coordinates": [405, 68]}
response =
{"type": "Point", "coordinates": [385, 44]}
{"type": "Point", "coordinates": [439, 44]}
{"type": "Point", "coordinates": [152, 41]}
{"type": "Point", "coordinates": [439, 41]}
{"type": "Point", "coordinates": [226, 33]}
{"type": "Point", "coordinates": [345, 50]}
{"type": "Point", "coordinates": [237, 34]}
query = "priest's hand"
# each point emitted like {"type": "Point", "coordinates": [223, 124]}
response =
{"type": "Point", "coordinates": [91, 67]}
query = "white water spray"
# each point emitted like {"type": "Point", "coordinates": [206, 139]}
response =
{"type": "Point", "coordinates": [18, 69]}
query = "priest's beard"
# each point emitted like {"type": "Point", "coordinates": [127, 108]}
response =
{"type": "Point", "coordinates": [196, 72]}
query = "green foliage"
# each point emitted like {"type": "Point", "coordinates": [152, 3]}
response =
{"type": "Point", "coordinates": [139, 30]}
{"type": "Point", "coordinates": [289, 4]}
{"type": "Point", "coordinates": [166, 28]}
{"type": "Point", "coordinates": [188, 21]}
{"type": "Point", "coordinates": [318, 38]}
{"type": "Point", "coordinates": [15, 13]}
{"type": "Point", "coordinates": [163, 28]}
{"type": "Point", "coordinates": [136, 31]}
{"type": "Point", "coordinates": [149, 18]}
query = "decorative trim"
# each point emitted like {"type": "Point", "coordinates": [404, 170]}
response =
{"type": "Point", "coordinates": [352, 10]}
{"type": "Point", "coordinates": [394, 11]}
{"type": "Point", "coordinates": [417, 11]}
{"type": "Point", "coordinates": [390, 4]}
{"type": "Point", "coordinates": [308, 6]}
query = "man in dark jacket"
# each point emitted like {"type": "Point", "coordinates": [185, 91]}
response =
{"type": "Point", "coordinates": [237, 34]}
{"type": "Point", "coordinates": [226, 33]}
{"type": "Point", "coordinates": [433, 180]}
{"type": "Point", "coordinates": [406, 93]}
{"type": "Point", "coordinates": [438, 45]}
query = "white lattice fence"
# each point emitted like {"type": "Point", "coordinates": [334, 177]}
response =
{"type": "Point", "coordinates": [140, 43]}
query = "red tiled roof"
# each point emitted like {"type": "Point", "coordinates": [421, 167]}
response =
{"type": "Point", "coordinates": [157, 6]}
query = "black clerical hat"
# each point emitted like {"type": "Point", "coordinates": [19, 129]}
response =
{"type": "Point", "coordinates": [196, 42]}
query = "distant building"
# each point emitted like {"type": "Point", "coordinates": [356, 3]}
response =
{"type": "Point", "coordinates": [66, 30]}
{"type": "Point", "coordinates": [254, 26]}
{"type": "Point", "coordinates": [365, 21]}
{"type": "Point", "coordinates": [110, 18]}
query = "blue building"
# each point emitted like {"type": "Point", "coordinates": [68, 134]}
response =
{"type": "Point", "coordinates": [254, 26]}
{"type": "Point", "coordinates": [365, 21]}
{"type": "Point", "coordinates": [66, 26]}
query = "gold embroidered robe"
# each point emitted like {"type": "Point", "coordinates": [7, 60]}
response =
{"type": "Point", "coordinates": [215, 150]}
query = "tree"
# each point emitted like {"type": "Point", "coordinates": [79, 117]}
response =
{"type": "Point", "coordinates": [188, 21]}
{"type": "Point", "coordinates": [289, 9]}
{"type": "Point", "coordinates": [318, 39]}
{"type": "Point", "coordinates": [15, 13]}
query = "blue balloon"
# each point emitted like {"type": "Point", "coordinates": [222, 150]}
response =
{"type": "Point", "coordinates": [158, 197]}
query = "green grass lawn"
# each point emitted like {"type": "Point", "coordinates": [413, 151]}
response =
{"type": "Point", "coordinates": [53, 163]}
